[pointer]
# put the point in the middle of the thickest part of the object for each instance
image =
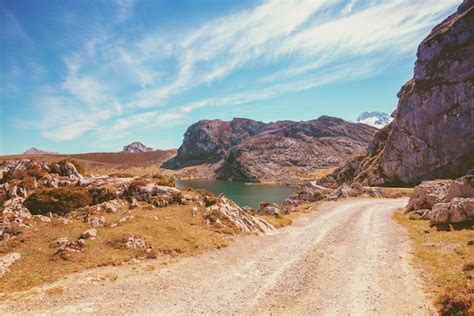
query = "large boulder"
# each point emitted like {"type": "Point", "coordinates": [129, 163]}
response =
{"type": "Point", "coordinates": [344, 191]}
{"type": "Point", "coordinates": [8, 260]}
{"type": "Point", "coordinates": [428, 193]}
{"type": "Point", "coordinates": [462, 187]}
{"type": "Point", "coordinates": [456, 211]}
{"type": "Point", "coordinates": [226, 212]}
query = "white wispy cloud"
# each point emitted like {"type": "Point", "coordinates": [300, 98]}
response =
{"type": "Point", "coordinates": [287, 46]}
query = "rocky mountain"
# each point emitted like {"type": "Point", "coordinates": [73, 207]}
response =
{"type": "Point", "coordinates": [375, 119]}
{"type": "Point", "coordinates": [432, 134]}
{"type": "Point", "coordinates": [136, 147]}
{"type": "Point", "coordinates": [36, 151]}
{"type": "Point", "coordinates": [250, 150]}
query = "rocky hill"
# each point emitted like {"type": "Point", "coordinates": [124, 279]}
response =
{"type": "Point", "coordinates": [432, 135]}
{"type": "Point", "coordinates": [136, 147]}
{"type": "Point", "coordinates": [36, 151]}
{"type": "Point", "coordinates": [255, 151]}
{"type": "Point", "coordinates": [375, 119]}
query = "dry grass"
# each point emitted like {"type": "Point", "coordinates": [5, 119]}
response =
{"type": "Point", "coordinates": [54, 291]}
{"type": "Point", "coordinates": [277, 222]}
{"type": "Point", "coordinates": [321, 173]}
{"type": "Point", "coordinates": [398, 192]}
{"type": "Point", "coordinates": [170, 231]}
{"type": "Point", "coordinates": [443, 257]}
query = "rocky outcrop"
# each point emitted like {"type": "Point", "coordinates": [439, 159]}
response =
{"type": "Point", "coordinates": [432, 134]}
{"type": "Point", "coordinates": [444, 201]}
{"type": "Point", "coordinates": [136, 147]}
{"type": "Point", "coordinates": [225, 212]}
{"type": "Point", "coordinates": [58, 192]}
{"type": "Point", "coordinates": [255, 151]}
{"type": "Point", "coordinates": [36, 151]}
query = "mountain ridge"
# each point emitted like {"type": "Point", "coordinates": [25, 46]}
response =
{"type": "Point", "coordinates": [249, 150]}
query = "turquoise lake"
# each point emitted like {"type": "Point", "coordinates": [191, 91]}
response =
{"type": "Point", "coordinates": [242, 193]}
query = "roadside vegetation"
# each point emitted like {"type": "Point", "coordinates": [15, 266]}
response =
{"type": "Point", "coordinates": [169, 231]}
{"type": "Point", "coordinates": [446, 260]}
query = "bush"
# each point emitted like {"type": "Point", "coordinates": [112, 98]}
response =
{"type": "Point", "coordinates": [121, 175]}
{"type": "Point", "coordinates": [36, 171]}
{"type": "Point", "coordinates": [27, 183]}
{"type": "Point", "coordinates": [456, 300]}
{"type": "Point", "coordinates": [136, 184]}
{"type": "Point", "coordinates": [208, 197]}
{"type": "Point", "coordinates": [163, 180]}
{"type": "Point", "coordinates": [58, 200]}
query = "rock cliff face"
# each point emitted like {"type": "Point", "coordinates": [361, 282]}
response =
{"type": "Point", "coordinates": [255, 151]}
{"type": "Point", "coordinates": [136, 147]}
{"type": "Point", "coordinates": [432, 134]}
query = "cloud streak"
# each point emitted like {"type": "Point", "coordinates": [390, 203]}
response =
{"type": "Point", "coordinates": [116, 83]}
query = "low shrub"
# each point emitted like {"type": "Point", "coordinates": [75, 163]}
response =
{"type": "Point", "coordinates": [28, 183]}
{"type": "Point", "coordinates": [208, 197]}
{"type": "Point", "coordinates": [36, 171]}
{"type": "Point", "coordinates": [136, 184]}
{"type": "Point", "coordinates": [121, 175]}
{"type": "Point", "coordinates": [456, 301]}
{"type": "Point", "coordinates": [163, 180]}
{"type": "Point", "coordinates": [210, 200]}
{"type": "Point", "coordinates": [58, 200]}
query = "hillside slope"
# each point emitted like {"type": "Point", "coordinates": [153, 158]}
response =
{"type": "Point", "coordinates": [255, 151]}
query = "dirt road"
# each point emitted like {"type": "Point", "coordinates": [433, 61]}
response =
{"type": "Point", "coordinates": [347, 258]}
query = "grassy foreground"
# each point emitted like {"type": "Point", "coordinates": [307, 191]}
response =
{"type": "Point", "coordinates": [446, 259]}
{"type": "Point", "coordinates": [169, 231]}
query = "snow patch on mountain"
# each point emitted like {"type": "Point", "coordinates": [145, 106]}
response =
{"type": "Point", "coordinates": [375, 119]}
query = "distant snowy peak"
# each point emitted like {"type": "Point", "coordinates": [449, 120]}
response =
{"type": "Point", "coordinates": [136, 147]}
{"type": "Point", "coordinates": [375, 119]}
{"type": "Point", "coordinates": [36, 151]}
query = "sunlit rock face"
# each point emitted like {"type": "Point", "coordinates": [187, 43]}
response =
{"type": "Point", "coordinates": [432, 134]}
{"type": "Point", "coordinates": [255, 151]}
{"type": "Point", "coordinates": [136, 147]}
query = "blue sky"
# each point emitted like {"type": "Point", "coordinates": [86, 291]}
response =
{"type": "Point", "coordinates": [83, 76]}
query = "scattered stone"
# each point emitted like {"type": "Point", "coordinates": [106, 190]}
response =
{"type": "Point", "coordinates": [90, 233]}
{"type": "Point", "coordinates": [42, 218]}
{"type": "Point", "coordinates": [133, 203]}
{"type": "Point", "coordinates": [8, 260]}
{"type": "Point", "coordinates": [112, 206]}
{"type": "Point", "coordinates": [268, 208]}
{"type": "Point", "coordinates": [428, 244]}
{"type": "Point", "coordinates": [97, 221]}
{"type": "Point", "coordinates": [135, 242]}
{"type": "Point", "coordinates": [61, 242]}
